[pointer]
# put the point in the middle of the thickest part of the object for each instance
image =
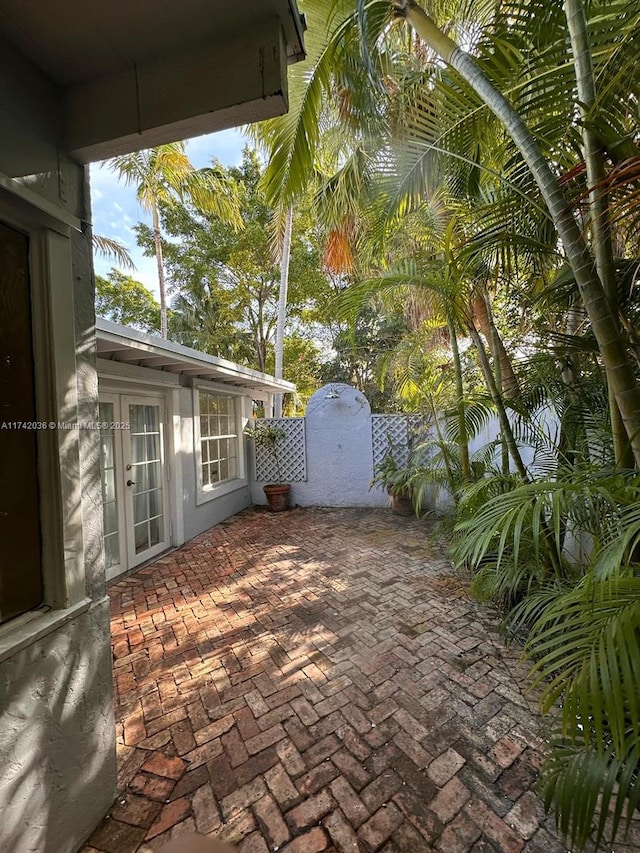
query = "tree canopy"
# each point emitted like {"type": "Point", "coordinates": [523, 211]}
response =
{"type": "Point", "coordinates": [124, 300]}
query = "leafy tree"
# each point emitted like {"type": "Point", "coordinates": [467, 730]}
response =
{"type": "Point", "coordinates": [203, 319]}
{"type": "Point", "coordinates": [361, 352]}
{"type": "Point", "coordinates": [303, 366]}
{"type": "Point", "coordinates": [124, 300]}
{"type": "Point", "coordinates": [164, 176]}
{"type": "Point", "coordinates": [231, 279]}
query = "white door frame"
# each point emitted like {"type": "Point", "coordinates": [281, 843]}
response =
{"type": "Point", "coordinates": [134, 559]}
{"type": "Point", "coordinates": [124, 495]}
{"type": "Point", "coordinates": [114, 571]}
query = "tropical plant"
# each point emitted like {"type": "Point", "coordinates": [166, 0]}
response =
{"type": "Point", "coordinates": [536, 160]}
{"type": "Point", "coordinates": [164, 175]}
{"type": "Point", "coordinates": [113, 250]}
{"type": "Point", "coordinates": [231, 278]}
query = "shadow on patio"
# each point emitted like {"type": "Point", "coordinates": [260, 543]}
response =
{"type": "Point", "coordinates": [312, 681]}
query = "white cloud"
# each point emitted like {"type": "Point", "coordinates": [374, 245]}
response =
{"type": "Point", "coordinates": [115, 206]}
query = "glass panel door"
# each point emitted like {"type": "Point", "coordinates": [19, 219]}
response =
{"type": "Point", "coordinates": [110, 489]}
{"type": "Point", "coordinates": [145, 492]}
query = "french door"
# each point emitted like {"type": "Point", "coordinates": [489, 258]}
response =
{"type": "Point", "coordinates": [134, 486]}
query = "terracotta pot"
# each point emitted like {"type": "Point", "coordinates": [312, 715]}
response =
{"type": "Point", "coordinates": [401, 503]}
{"type": "Point", "coordinates": [277, 497]}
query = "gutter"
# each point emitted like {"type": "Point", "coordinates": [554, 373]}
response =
{"type": "Point", "coordinates": [300, 26]}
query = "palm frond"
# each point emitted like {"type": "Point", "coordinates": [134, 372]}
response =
{"type": "Point", "coordinates": [112, 250]}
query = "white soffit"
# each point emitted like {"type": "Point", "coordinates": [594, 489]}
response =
{"type": "Point", "coordinates": [129, 346]}
{"type": "Point", "coordinates": [139, 73]}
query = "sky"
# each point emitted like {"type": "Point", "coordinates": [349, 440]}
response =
{"type": "Point", "coordinates": [116, 209]}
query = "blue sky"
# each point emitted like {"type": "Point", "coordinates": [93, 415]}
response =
{"type": "Point", "coordinates": [116, 210]}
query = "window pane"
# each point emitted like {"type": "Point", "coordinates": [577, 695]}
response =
{"type": "Point", "coordinates": [141, 536]}
{"type": "Point", "coordinates": [140, 508]}
{"type": "Point", "coordinates": [153, 447]}
{"type": "Point", "coordinates": [217, 455]}
{"type": "Point", "coordinates": [111, 550]}
{"type": "Point", "coordinates": [155, 531]}
{"type": "Point", "coordinates": [138, 449]}
{"type": "Point", "coordinates": [155, 502]}
{"type": "Point", "coordinates": [110, 516]}
{"type": "Point", "coordinates": [154, 475]}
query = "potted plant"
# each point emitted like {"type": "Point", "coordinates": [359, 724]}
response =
{"type": "Point", "coordinates": [389, 475]}
{"type": "Point", "coordinates": [267, 436]}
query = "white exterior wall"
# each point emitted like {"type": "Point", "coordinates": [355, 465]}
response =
{"type": "Point", "coordinates": [339, 453]}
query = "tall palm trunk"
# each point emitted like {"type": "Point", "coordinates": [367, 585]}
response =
{"type": "Point", "coordinates": [505, 426]}
{"type": "Point", "coordinates": [157, 238]}
{"type": "Point", "coordinates": [598, 197]}
{"type": "Point", "coordinates": [611, 344]}
{"type": "Point", "coordinates": [282, 305]}
{"type": "Point", "coordinates": [463, 438]}
{"type": "Point", "coordinates": [483, 317]}
{"type": "Point", "coordinates": [499, 355]}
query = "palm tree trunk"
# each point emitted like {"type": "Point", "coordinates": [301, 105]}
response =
{"type": "Point", "coordinates": [484, 318]}
{"type": "Point", "coordinates": [611, 344]}
{"type": "Point", "coordinates": [598, 197]}
{"type": "Point", "coordinates": [446, 457]}
{"type": "Point", "coordinates": [161, 280]}
{"type": "Point", "coordinates": [463, 438]}
{"type": "Point", "coordinates": [498, 402]}
{"type": "Point", "coordinates": [497, 350]}
{"type": "Point", "coordinates": [282, 305]}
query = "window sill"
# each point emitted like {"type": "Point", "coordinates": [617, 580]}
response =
{"type": "Point", "coordinates": [27, 629]}
{"type": "Point", "coordinates": [204, 496]}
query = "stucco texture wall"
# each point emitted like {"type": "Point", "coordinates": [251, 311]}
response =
{"type": "Point", "coordinates": [339, 452]}
{"type": "Point", "coordinates": [57, 733]}
{"type": "Point", "coordinates": [57, 738]}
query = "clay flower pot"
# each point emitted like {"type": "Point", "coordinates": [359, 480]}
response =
{"type": "Point", "coordinates": [400, 501]}
{"type": "Point", "coordinates": [277, 496]}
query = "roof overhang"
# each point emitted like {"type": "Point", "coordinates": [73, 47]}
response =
{"type": "Point", "coordinates": [129, 346]}
{"type": "Point", "coordinates": [134, 74]}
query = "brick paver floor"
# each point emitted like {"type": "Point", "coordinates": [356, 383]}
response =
{"type": "Point", "coordinates": [318, 680]}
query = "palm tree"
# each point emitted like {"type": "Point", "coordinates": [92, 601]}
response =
{"type": "Point", "coordinates": [282, 304]}
{"type": "Point", "coordinates": [113, 250]}
{"type": "Point", "coordinates": [336, 60]}
{"type": "Point", "coordinates": [510, 129]}
{"type": "Point", "coordinates": [604, 321]}
{"type": "Point", "coordinates": [165, 176]}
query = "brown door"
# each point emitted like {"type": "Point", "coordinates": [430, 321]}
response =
{"type": "Point", "coordinates": [20, 552]}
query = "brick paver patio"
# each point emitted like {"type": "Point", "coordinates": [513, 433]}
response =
{"type": "Point", "coordinates": [317, 680]}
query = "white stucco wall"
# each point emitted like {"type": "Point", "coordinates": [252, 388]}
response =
{"type": "Point", "coordinates": [339, 453]}
{"type": "Point", "coordinates": [57, 737]}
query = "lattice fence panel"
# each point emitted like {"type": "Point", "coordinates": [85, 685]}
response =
{"type": "Point", "coordinates": [292, 451]}
{"type": "Point", "coordinates": [395, 434]}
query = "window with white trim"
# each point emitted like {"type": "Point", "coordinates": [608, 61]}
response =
{"type": "Point", "coordinates": [218, 438]}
